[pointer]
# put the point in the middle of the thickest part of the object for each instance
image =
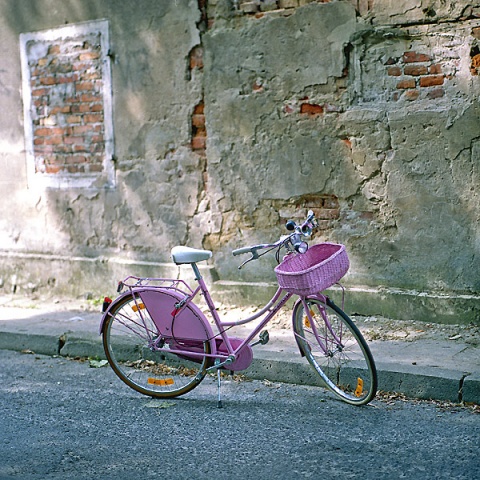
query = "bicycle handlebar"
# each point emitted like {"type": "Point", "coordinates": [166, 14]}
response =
{"type": "Point", "coordinates": [293, 240]}
{"type": "Point", "coordinates": [239, 251]}
{"type": "Point", "coordinates": [253, 248]}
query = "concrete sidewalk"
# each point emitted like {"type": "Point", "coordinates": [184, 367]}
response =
{"type": "Point", "coordinates": [419, 360]}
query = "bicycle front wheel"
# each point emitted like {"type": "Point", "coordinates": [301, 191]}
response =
{"type": "Point", "coordinates": [132, 340]}
{"type": "Point", "coordinates": [336, 350]}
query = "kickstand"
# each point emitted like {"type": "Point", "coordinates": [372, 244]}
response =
{"type": "Point", "coordinates": [219, 389]}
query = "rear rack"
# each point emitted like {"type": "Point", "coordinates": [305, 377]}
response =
{"type": "Point", "coordinates": [164, 283]}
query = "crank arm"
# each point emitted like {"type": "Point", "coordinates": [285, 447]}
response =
{"type": "Point", "coordinates": [217, 366]}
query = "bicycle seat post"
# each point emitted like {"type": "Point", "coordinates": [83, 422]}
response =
{"type": "Point", "coordinates": [196, 271]}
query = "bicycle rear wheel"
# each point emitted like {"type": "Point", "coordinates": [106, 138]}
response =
{"type": "Point", "coordinates": [131, 340]}
{"type": "Point", "coordinates": [336, 350]}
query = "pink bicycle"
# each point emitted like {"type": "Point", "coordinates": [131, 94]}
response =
{"type": "Point", "coordinates": [159, 342]}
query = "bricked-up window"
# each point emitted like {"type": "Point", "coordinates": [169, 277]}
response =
{"type": "Point", "coordinates": [68, 106]}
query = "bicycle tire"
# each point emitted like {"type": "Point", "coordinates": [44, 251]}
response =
{"type": "Point", "coordinates": [346, 365]}
{"type": "Point", "coordinates": [128, 333]}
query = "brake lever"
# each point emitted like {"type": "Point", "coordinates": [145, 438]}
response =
{"type": "Point", "coordinates": [253, 257]}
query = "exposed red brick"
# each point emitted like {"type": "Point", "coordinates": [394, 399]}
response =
{"type": "Point", "coordinates": [60, 109]}
{"type": "Point", "coordinates": [81, 129]}
{"type": "Point", "coordinates": [93, 118]}
{"type": "Point", "coordinates": [52, 169]}
{"type": "Point", "coordinates": [63, 80]}
{"type": "Point", "coordinates": [412, 94]}
{"type": "Point", "coordinates": [436, 93]}
{"type": "Point", "coordinates": [90, 97]}
{"type": "Point", "coordinates": [199, 108]}
{"type": "Point", "coordinates": [199, 143]}
{"type": "Point", "coordinates": [89, 56]}
{"type": "Point", "coordinates": [432, 80]}
{"type": "Point", "coordinates": [74, 119]}
{"type": "Point", "coordinates": [198, 120]}
{"type": "Point", "coordinates": [330, 202]}
{"type": "Point", "coordinates": [41, 132]}
{"type": "Point", "coordinates": [90, 76]}
{"type": "Point", "coordinates": [200, 132]}
{"type": "Point", "coordinates": [84, 86]}
{"type": "Point", "coordinates": [311, 109]}
{"type": "Point", "coordinates": [475, 65]}
{"type": "Point", "coordinates": [196, 58]}
{"type": "Point", "coordinates": [73, 159]}
{"type": "Point", "coordinates": [54, 140]}
{"type": "Point", "coordinates": [81, 67]}
{"type": "Point", "coordinates": [73, 140]}
{"type": "Point", "coordinates": [435, 68]}
{"type": "Point", "coordinates": [415, 70]}
{"type": "Point", "coordinates": [47, 81]}
{"type": "Point", "coordinates": [257, 87]}
{"type": "Point", "coordinates": [95, 168]}
{"type": "Point", "coordinates": [82, 108]}
{"type": "Point", "coordinates": [394, 71]}
{"type": "Point", "coordinates": [38, 92]}
{"type": "Point", "coordinates": [413, 57]}
{"type": "Point", "coordinates": [53, 50]}
{"type": "Point", "coordinates": [407, 83]}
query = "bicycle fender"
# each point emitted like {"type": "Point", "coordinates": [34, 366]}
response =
{"type": "Point", "coordinates": [294, 310]}
{"type": "Point", "coordinates": [298, 303]}
{"type": "Point", "coordinates": [170, 320]}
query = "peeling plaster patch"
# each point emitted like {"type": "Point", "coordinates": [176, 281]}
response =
{"type": "Point", "coordinates": [415, 64]}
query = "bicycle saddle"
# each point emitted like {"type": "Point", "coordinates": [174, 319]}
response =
{"type": "Point", "coordinates": [189, 255]}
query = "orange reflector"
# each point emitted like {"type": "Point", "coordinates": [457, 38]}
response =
{"type": "Point", "coordinates": [359, 389]}
{"type": "Point", "coordinates": [307, 321]}
{"type": "Point", "coordinates": [136, 308]}
{"type": "Point", "coordinates": [161, 381]}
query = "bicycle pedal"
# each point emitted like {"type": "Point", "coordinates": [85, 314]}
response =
{"type": "Point", "coordinates": [264, 337]}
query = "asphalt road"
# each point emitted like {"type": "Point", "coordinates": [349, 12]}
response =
{"type": "Point", "coordinates": [61, 419]}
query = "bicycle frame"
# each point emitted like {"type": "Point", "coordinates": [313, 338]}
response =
{"type": "Point", "coordinates": [233, 345]}
{"type": "Point", "coordinates": [269, 311]}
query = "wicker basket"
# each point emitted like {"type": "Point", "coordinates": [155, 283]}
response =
{"type": "Point", "coordinates": [319, 268]}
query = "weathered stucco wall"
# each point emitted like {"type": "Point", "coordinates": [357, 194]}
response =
{"type": "Point", "coordinates": [157, 182]}
{"type": "Point", "coordinates": [231, 117]}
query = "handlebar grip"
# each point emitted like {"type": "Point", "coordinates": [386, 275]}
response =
{"type": "Point", "coordinates": [239, 251]}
